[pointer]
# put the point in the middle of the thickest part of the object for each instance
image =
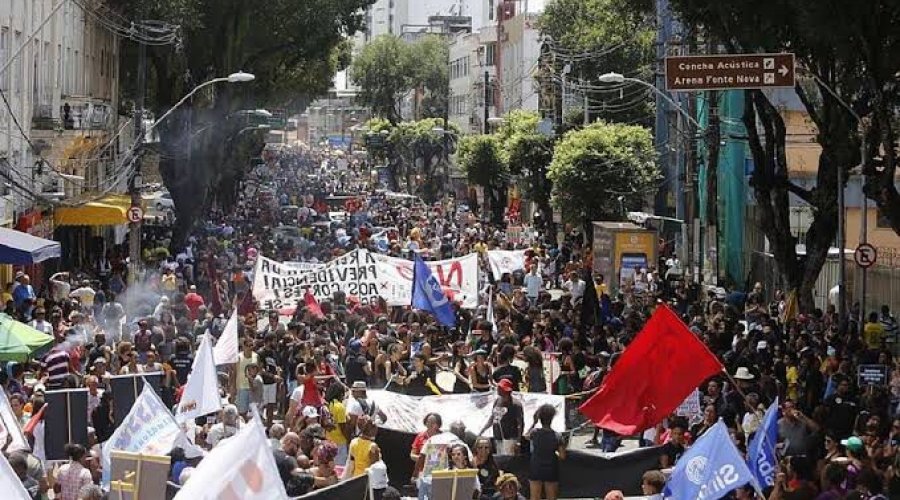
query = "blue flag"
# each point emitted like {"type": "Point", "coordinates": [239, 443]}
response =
{"type": "Point", "coordinates": [427, 294]}
{"type": "Point", "coordinates": [710, 469]}
{"type": "Point", "coordinates": [761, 452]}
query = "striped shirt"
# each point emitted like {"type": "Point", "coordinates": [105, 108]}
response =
{"type": "Point", "coordinates": [56, 364]}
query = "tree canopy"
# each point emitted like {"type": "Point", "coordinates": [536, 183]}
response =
{"type": "Point", "coordinates": [292, 46]}
{"type": "Point", "coordinates": [598, 36]}
{"type": "Point", "coordinates": [602, 169]}
{"type": "Point", "coordinates": [388, 68]}
{"type": "Point", "coordinates": [848, 55]}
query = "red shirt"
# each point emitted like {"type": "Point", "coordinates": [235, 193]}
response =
{"type": "Point", "coordinates": [193, 301]}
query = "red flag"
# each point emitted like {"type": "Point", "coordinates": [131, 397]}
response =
{"type": "Point", "coordinates": [663, 364]}
{"type": "Point", "coordinates": [312, 305]}
{"type": "Point", "coordinates": [34, 420]}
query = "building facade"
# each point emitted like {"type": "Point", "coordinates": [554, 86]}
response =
{"type": "Point", "coordinates": [60, 80]}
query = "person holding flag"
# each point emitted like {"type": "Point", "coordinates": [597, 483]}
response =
{"type": "Point", "coordinates": [710, 469]}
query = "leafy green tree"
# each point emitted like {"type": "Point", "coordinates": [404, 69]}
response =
{"type": "Point", "coordinates": [481, 159]}
{"type": "Point", "coordinates": [431, 73]}
{"type": "Point", "coordinates": [388, 68]}
{"type": "Point", "coordinates": [602, 170]}
{"type": "Point", "coordinates": [383, 72]}
{"type": "Point", "coordinates": [292, 46]}
{"type": "Point", "coordinates": [848, 53]}
{"type": "Point", "coordinates": [527, 155]}
{"type": "Point", "coordinates": [598, 36]}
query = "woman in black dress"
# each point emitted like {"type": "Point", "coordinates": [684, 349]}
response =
{"type": "Point", "coordinates": [547, 449]}
{"type": "Point", "coordinates": [480, 373]}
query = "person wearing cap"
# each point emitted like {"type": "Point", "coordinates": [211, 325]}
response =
{"type": "Point", "coordinates": [23, 291]}
{"type": "Point", "coordinates": [359, 405]}
{"type": "Point", "coordinates": [508, 487]}
{"type": "Point", "coordinates": [507, 419]}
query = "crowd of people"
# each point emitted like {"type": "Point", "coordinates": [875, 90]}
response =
{"type": "Point", "coordinates": [309, 375]}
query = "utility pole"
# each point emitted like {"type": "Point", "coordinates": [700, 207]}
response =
{"type": "Point", "coordinates": [487, 102]}
{"type": "Point", "coordinates": [842, 242]}
{"type": "Point", "coordinates": [712, 188]}
{"type": "Point", "coordinates": [134, 184]}
{"type": "Point", "coordinates": [864, 223]}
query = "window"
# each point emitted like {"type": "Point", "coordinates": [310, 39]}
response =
{"type": "Point", "coordinates": [491, 10]}
{"type": "Point", "coordinates": [489, 54]}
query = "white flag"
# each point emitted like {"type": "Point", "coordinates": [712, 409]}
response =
{"type": "Point", "coordinates": [495, 332]}
{"type": "Point", "coordinates": [9, 425]}
{"type": "Point", "coordinates": [201, 393]}
{"type": "Point", "coordinates": [505, 261]}
{"type": "Point", "coordinates": [10, 483]}
{"type": "Point", "coordinates": [226, 350]}
{"type": "Point", "coordinates": [148, 428]}
{"type": "Point", "coordinates": [240, 468]}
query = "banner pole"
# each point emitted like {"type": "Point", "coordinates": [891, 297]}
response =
{"type": "Point", "coordinates": [68, 418]}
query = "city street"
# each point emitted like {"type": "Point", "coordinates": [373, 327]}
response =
{"type": "Point", "coordinates": [449, 250]}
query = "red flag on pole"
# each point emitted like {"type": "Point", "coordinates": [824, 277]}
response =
{"type": "Point", "coordinates": [663, 364]}
{"type": "Point", "coordinates": [34, 420]}
{"type": "Point", "coordinates": [312, 305]}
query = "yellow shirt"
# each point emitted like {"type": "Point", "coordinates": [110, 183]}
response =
{"type": "Point", "coordinates": [339, 417]}
{"type": "Point", "coordinates": [793, 379]}
{"type": "Point", "coordinates": [5, 297]}
{"type": "Point", "coordinates": [359, 451]}
{"type": "Point", "coordinates": [601, 289]}
{"type": "Point", "coordinates": [873, 333]}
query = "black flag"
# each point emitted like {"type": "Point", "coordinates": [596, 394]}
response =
{"type": "Point", "coordinates": [590, 302]}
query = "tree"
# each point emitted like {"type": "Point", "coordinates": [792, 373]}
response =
{"type": "Point", "coordinates": [851, 53]}
{"type": "Point", "coordinates": [480, 157]}
{"type": "Point", "coordinates": [527, 154]}
{"type": "Point", "coordinates": [292, 46]}
{"type": "Point", "coordinates": [601, 170]}
{"type": "Point", "coordinates": [389, 68]}
{"type": "Point", "coordinates": [598, 36]}
{"type": "Point", "coordinates": [431, 74]}
{"type": "Point", "coordinates": [383, 70]}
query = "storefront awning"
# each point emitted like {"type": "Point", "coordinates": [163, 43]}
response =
{"type": "Point", "coordinates": [21, 248]}
{"type": "Point", "coordinates": [110, 210]}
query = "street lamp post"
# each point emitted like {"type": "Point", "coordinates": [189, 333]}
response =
{"type": "Point", "coordinates": [134, 237]}
{"type": "Point", "coordinates": [687, 228]}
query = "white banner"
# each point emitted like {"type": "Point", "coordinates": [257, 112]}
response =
{"type": "Point", "coordinates": [277, 286]}
{"type": "Point", "coordinates": [201, 393]}
{"type": "Point", "coordinates": [240, 468]}
{"type": "Point", "coordinates": [690, 407]}
{"type": "Point", "coordinates": [505, 261]}
{"type": "Point", "coordinates": [406, 413]}
{"type": "Point", "coordinates": [362, 274]}
{"type": "Point", "coordinates": [459, 275]}
{"type": "Point", "coordinates": [148, 428]}
{"type": "Point", "coordinates": [226, 350]}
{"type": "Point", "coordinates": [10, 484]}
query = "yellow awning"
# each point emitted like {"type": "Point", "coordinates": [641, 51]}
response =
{"type": "Point", "coordinates": [111, 210]}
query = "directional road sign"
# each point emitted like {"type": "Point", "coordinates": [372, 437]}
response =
{"type": "Point", "coordinates": [865, 255]}
{"type": "Point", "coordinates": [729, 71]}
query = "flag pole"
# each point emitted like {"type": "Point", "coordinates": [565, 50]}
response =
{"type": "Point", "coordinates": [738, 389]}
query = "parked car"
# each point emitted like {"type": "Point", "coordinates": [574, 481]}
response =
{"type": "Point", "coordinates": [160, 200]}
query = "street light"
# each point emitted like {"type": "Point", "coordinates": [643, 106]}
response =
{"type": "Point", "coordinates": [135, 235]}
{"type": "Point", "coordinates": [239, 77]}
{"type": "Point", "coordinates": [620, 78]}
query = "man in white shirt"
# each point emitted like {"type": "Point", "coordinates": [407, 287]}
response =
{"type": "Point", "coordinates": [229, 426]}
{"type": "Point", "coordinates": [533, 285]}
{"type": "Point", "coordinates": [85, 295]}
{"type": "Point", "coordinates": [574, 286]}
{"type": "Point", "coordinates": [40, 323]}
{"type": "Point", "coordinates": [60, 286]}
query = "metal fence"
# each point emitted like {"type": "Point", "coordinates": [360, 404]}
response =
{"type": "Point", "coordinates": [882, 280]}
